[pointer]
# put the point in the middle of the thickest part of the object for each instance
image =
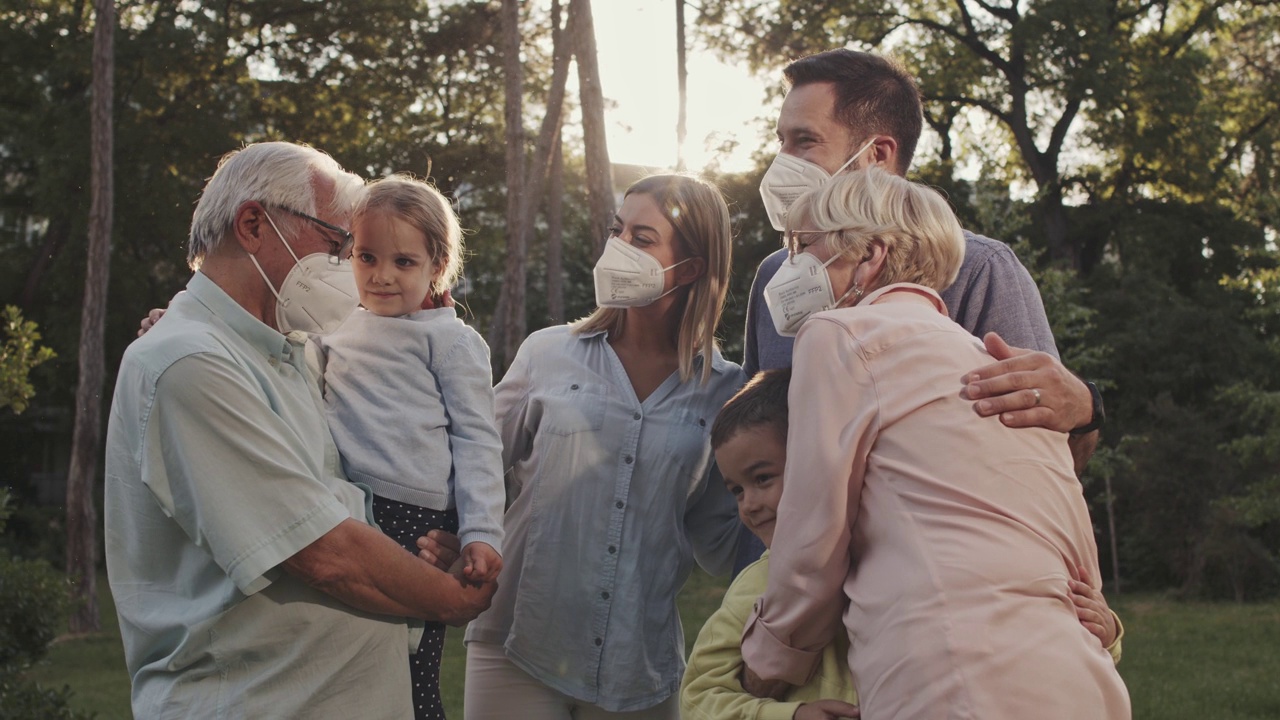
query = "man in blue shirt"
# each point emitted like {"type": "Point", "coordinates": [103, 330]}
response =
{"type": "Point", "coordinates": [847, 110]}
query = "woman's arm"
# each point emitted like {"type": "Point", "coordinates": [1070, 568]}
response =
{"type": "Point", "coordinates": [833, 424]}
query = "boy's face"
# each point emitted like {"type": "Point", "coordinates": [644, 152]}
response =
{"type": "Point", "coordinates": [392, 268]}
{"type": "Point", "coordinates": [752, 462]}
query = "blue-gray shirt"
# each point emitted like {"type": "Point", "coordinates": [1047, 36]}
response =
{"type": "Point", "coordinates": [992, 292]}
{"type": "Point", "coordinates": [613, 500]}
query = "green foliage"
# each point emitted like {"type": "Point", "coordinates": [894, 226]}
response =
{"type": "Point", "coordinates": [34, 603]}
{"type": "Point", "coordinates": [17, 356]}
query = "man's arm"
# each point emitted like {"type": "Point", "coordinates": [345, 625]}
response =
{"type": "Point", "coordinates": [995, 295]}
{"type": "Point", "coordinates": [362, 567]}
{"type": "Point", "coordinates": [1033, 389]}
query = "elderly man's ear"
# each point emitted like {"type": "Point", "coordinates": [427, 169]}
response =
{"type": "Point", "coordinates": [250, 226]}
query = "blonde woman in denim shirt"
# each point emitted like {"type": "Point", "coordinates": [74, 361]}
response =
{"type": "Point", "coordinates": [605, 427]}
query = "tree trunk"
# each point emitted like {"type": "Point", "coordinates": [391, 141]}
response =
{"type": "Point", "coordinates": [513, 320]}
{"type": "Point", "coordinates": [599, 173]}
{"type": "Point", "coordinates": [508, 317]}
{"type": "Point", "coordinates": [82, 520]}
{"type": "Point", "coordinates": [555, 236]}
{"type": "Point", "coordinates": [682, 75]}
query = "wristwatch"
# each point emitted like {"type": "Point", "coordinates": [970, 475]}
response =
{"type": "Point", "coordinates": [1099, 412]}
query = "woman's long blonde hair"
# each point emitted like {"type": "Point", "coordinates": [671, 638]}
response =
{"type": "Point", "coordinates": [697, 211]}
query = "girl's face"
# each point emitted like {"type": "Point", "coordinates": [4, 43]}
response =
{"type": "Point", "coordinates": [393, 270]}
{"type": "Point", "coordinates": [641, 224]}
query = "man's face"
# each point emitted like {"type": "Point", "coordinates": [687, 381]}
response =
{"type": "Point", "coordinates": [808, 128]}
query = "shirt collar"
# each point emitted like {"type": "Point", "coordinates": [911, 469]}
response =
{"type": "Point", "coordinates": [255, 332]}
{"type": "Point", "coordinates": [718, 364]}
{"type": "Point", "coordinates": [929, 293]}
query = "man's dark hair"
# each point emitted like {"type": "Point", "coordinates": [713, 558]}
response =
{"type": "Point", "coordinates": [762, 401]}
{"type": "Point", "coordinates": [874, 95]}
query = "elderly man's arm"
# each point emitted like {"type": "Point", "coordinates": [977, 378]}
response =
{"type": "Point", "coordinates": [360, 566]}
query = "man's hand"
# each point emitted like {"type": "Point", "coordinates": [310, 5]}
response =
{"type": "Point", "coordinates": [1091, 608]}
{"type": "Point", "coordinates": [481, 563]}
{"type": "Point", "coordinates": [761, 688]}
{"type": "Point", "coordinates": [826, 710]}
{"type": "Point", "coordinates": [153, 317]}
{"type": "Point", "coordinates": [440, 548]}
{"type": "Point", "coordinates": [1028, 389]}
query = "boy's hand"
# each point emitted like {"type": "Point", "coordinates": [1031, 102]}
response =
{"type": "Point", "coordinates": [1092, 610]}
{"type": "Point", "coordinates": [440, 548]}
{"type": "Point", "coordinates": [826, 710]}
{"type": "Point", "coordinates": [481, 563]}
{"type": "Point", "coordinates": [761, 688]}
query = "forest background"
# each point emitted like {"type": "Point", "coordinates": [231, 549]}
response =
{"type": "Point", "coordinates": [1128, 150]}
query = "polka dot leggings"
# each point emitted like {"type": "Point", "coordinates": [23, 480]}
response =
{"type": "Point", "coordinates": [405, 523]}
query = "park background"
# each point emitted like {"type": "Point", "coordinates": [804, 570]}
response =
{"type": "Point", "coordinates": [1127, 149]}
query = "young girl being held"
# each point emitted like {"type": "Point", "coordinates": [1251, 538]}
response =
{"type": "Point", "coordinates": [408, 395]}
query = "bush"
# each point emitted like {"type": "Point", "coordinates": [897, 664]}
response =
{"type": "Point", "coordinates": [33, 606]}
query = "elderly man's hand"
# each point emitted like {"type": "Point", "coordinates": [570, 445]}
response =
{"type": "Point", "coordinates": [473, 599]}
{"type": "Point", "coordinates": [440, 548]}
{"type": "Point", "coordinates": [1028, 389]}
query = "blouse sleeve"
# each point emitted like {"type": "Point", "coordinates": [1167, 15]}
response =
{"type": "Point", "coordinates": [511, 412]}
{"type": "Point", "coordinates": [834, 420]}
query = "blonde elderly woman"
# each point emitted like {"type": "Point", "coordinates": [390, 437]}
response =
{"type": "Point", "coordinates": [954, 540]}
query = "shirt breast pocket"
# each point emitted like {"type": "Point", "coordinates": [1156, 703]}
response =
{"type": "Point", "coordinates": [689, 446]}
{"type": "Point", "coordinates": [574, 408]}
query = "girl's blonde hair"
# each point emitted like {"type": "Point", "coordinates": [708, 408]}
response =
{"type": "Point", "coordinates": [923, 240]}
{"type": "Point", "coordinates": [422, 206]}
{"type": "Point", "coordinates": [697, 211]}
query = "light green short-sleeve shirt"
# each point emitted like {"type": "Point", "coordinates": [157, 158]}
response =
{"type": "Point", "coordinates": [219, 467]}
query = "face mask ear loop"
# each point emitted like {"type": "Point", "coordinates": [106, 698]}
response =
{"type": "Point", "coordinates": [254, 260]}
{"type": "Point", "coordinates": [856, 155]}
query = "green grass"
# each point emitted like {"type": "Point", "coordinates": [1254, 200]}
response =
{"type": "Point", "coordinates": [1182, 660]}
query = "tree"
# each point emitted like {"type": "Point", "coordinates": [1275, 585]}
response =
{"type": "Point", "coordinates": [510, 317]}
{"type": "Point", "coordinates": [682, 81]}
{"type": "Point", "coordinates": [599, 172]}
{"type": "Point", "coordinates": [82, 517]}
{"type": "Point", "coordinates": [1061, 81]}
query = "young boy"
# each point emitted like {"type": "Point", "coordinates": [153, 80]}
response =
{"type": "Point", "coordinates": [749, 438]}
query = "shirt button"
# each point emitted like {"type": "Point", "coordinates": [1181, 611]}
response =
{"type": "Point", "coordinates": [620, 504]}
{"type": "Point", "coordinates": [636, 416]}
{"type": "Point", "coordinates": [612, 549]}
{"type": "Point", "coordinates": [627, 459]}
{"type": "Point", "coordinates": [273, 362]}
{"type": "Point", "coordinates": [599, 642]}
{"type": "Point", "coordinates": [702, 422]}
{"type": "Point", "coordinates": [604, 595]}
{"type": "Point", "coordinates": [573, 386]}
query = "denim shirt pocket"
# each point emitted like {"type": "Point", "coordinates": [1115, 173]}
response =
{"type": "Point", "coordinates": [574, 407]}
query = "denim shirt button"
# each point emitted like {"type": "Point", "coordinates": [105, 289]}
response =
{"type": "Point", "coordinates": [628, 459]}
{"type": "Point", "coordinates": [612, 549]}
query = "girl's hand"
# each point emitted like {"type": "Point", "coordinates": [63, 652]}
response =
{"type": "Point", "coordinates": [1092, 610]}
{"type": "Point", "coordinates": [826, 710]}
{"type": "Point", "coordinates": [481, 563]}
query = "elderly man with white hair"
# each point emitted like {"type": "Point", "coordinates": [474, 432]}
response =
{"type": "Point", "coordinates": [247, 578]}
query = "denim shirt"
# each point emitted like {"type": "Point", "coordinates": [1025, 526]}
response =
{"type": "Point", "coordinates": [612, 500]}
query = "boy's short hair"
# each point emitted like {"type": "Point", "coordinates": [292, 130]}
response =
{"type": "Point", "coordinates": [762, 401]}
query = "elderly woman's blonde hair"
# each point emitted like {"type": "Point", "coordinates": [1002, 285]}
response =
{"type": "Point", "coordinates": [923, 241]}
{"type": "Point", "coordinates": [698, 214]}
{"type": "Point", "coordinates": [428, 211]}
